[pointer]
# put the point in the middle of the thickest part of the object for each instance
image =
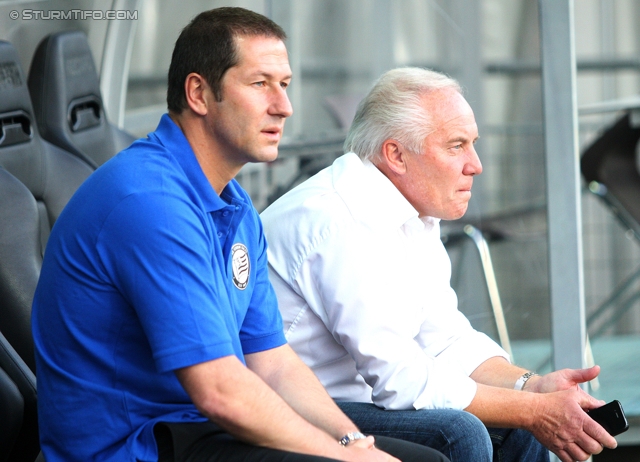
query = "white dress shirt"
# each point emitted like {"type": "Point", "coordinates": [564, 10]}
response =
{"type": "Point", "coordinates": [363, 285]}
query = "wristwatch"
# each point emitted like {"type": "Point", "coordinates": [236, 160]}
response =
{"type": "Point", "coordinates": [352, 436]}
{"type": "Point", "coordinates": [523, 380]}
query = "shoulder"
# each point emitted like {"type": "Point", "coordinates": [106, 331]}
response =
{"type": "Point", "coordinates": [139, 190]}
{"type": "Point", "coordinates": [341, 198]}
{"type": "Point", "coordinates": [305, 213]}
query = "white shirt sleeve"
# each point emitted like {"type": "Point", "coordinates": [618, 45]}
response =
{"type": "Point", "coordinates": [384, 300]}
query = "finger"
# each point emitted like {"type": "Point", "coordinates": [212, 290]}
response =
{"type": "Point", "coordinates": [592, 404]}
{"type": "Point", "coordinates": [563, 456]}
{"type": "Point", "coordinates": [576, 452]}
{"type": "Point", "coordinates": [366, 443]}
{"type": "Point", "coordinates": [599, 434]}
{"type": "Point", "coordinates": [590, 445]}
{"type": "Point", "coordinates": [589, 402]}
{"type": "Point", "coordinates": [584, 375]}
{"type": "Point", "coordinates": [598, 450]}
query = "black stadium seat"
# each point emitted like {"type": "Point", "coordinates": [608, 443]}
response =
{"type": "Point", "coordinates": [12, 405]}
{"type": "Point", "coordinates": [65, 91]}
{"type": "Point", "coordinates": [37, 180]}
{"type": "Point", "coordinates": [18, 407]}
{"type": "Point", "coordinates": [609, 166]}
{"type": "Point", "coordinates": [51, 176]}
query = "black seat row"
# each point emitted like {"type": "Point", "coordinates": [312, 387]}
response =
{"type": "Point", "coordinates": [65, 90]}
{"type": "Point", "coordinates": [53, 134]}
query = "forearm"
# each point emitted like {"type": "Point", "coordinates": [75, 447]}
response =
{"type": "Point", "coordinates": [292, 380]}
{"type": "Point", "coordinates": [244, 405]}
{"type": "Point", "coordinates": [503, 407]}
{"type": "Point", "coordinates": [497, 372]}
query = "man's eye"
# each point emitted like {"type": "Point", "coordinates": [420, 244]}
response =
{"type": "Point", "coordinates": [284, 85]}
{"type": "Point", "coordinates": [259, 84]}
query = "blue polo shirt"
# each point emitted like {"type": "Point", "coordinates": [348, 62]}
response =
{"type": "Point", "coordinates": [147, 270]}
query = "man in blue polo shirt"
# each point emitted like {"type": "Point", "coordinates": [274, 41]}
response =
{"type": "Point", "coordinates": [156, 328]}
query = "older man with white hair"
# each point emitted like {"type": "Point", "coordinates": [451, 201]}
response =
{"type": "Point", "coordinates": [363, 284]}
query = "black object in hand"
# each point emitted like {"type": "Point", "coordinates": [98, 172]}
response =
{"type": "Point", "coordinates": [611, 417]}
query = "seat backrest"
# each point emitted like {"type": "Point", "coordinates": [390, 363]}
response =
{"type": "Point", "coordinates": [12, 406]}
{"type": "Point", "coordinates": [18, 405]}
{"type": "Point", "coordinates": [611, 161]}
{"type": "Point", "coordinates": [37, 180]}
{"type": "Point", "coordinates": [65, 90]}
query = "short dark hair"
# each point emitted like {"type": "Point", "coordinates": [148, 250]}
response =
{"type": "Point", "coordinates": [207, 46]}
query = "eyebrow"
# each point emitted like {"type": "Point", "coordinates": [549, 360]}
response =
{"type": "Point", "coordinates": [269, 76]}
{"type": "Point", "coordinates": [463, 139]}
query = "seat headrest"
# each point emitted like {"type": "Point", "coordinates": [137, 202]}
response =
{"type": "Point", "coordinates": [65, 90]}
{"type": "Point", "coordinates": [20, 145]}
{"type": "Point", "coordinates": [15, 94]}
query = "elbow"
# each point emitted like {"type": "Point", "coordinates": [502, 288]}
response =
{"type": "Point", "coordinates": [219, 407]}
{"type": "Point", "coordinates": [393, 392]}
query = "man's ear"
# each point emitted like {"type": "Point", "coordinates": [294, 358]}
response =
{"type": "Point", "coordinates": [394, 156]}
{"type": "Point", "coordinates": [194, 91]}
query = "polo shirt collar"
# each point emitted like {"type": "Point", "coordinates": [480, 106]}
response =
{"type": "Point", "coordinates": [172, 137]}
{"type": "Point", "coordinates": [370, 196]}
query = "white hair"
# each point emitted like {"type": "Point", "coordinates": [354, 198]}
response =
{"type": "Point", "coordinates": [394, 109]}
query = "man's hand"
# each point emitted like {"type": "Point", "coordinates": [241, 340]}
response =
{"type": "Point", "coordinates": [564, 379]}
{"type": "Point", "coordinates": [562, 425]}
{"type": "Point", "coordinates": [364, 450]}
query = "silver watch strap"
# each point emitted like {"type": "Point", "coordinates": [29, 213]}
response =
{"type": "Point", "coordinates": [523, 380]}
{"type": "Point", "coordinates": [352, 436]}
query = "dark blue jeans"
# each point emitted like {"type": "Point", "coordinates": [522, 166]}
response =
{"type": "Point", "coordinates": [460, 436]}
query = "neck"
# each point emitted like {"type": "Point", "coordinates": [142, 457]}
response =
{"type": "Point", "coordinates": [215, 166]}
{"type": "Point", "coordinates": [399, 180]}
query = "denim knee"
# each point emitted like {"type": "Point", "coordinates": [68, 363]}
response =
{"type": "Point", "coordinates": [457, 434]}
{"type": "Point", "coordinates": [465, 429]}
{"type": "Point", "coordinates": [515, 445]}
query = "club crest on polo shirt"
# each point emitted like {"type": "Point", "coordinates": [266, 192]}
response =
{"type": "Point", "coordinates": [240, 265]}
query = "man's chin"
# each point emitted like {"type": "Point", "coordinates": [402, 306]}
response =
{"type": "Point", "coordinates": [456, 215]}
{"type": "Point", "coordinates": [264, 156]}
{"type": "Point", "coordinates": [270, 157]}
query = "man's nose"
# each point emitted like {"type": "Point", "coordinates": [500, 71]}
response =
{"type": "Point", "coordinates": [280, 104]}
{"type": "Point", "coordinates": [473, 166]}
